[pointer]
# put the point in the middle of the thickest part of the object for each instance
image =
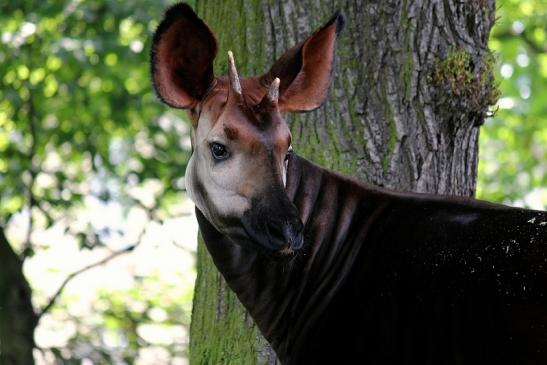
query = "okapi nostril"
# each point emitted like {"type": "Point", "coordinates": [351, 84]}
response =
{"type": "Point", "coordinates": [298, 241]}
{"type": "Point", "coordinates": [293, 235]}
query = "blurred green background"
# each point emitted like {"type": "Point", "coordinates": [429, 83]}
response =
{"type": "Point", "coordinates": [513, 144]}
{"type": "Point", "coordinates": [92, 165]}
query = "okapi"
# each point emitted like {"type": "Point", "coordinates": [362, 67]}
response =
{"type": "Point", "coordinates": [335, 271]}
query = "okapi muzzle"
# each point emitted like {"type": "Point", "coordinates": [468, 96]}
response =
{"type": "Point", "coordinates": [367, 275]}
{"type": "Point", "coordinates": [274, 225]}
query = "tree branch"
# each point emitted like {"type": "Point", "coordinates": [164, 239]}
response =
{"type": "Point", "coordinates": [73, 275]}
{"type": "Point", "coordinates": [525, 38]}
{"type": "Point", "coordinates": [151, 213]}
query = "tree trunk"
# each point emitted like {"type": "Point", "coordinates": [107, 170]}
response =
{"type": "Point", "coordinates": [412, 86]}
{"type": "Point", "coordinates": [17, 317]}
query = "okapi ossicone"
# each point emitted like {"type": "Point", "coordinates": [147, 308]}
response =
{"type": "Point", "coordinates": [335, 271]}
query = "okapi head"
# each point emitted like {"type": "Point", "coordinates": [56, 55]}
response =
{"type": "Point", "coordinates": [241, 144]}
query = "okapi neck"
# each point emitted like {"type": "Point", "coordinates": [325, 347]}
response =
{"type": "Point", "coordinates": [285, 298]}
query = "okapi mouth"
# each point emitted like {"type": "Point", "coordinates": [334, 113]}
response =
{"type": "Point", "coordinates": [278, 237]}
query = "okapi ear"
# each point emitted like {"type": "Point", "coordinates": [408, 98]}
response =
{"type": "Point", "coordinates": [182, 55]}
{"type": "Point", "coordinates": [305, 70]}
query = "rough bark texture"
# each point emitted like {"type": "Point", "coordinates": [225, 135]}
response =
{"type": "Point", "coordinates": [17, 317]}
{"type": "Point", "coordinates": [411, 88]}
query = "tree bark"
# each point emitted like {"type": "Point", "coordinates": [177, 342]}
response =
{"type": "Point", "coordinates": [412, 86]}
{"type": "Point", "coordinates": [17, 317]}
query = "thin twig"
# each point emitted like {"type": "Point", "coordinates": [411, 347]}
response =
{"type": "Point", "coordinates": [46, 214]}
{"type": "Point", "coordinates": [179, 246]}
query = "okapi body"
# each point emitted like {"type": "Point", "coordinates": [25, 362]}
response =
{"type": "Point", "coordinates": [335, 271]}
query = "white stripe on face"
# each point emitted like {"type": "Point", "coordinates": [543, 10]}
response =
{"type": "Point", "coordinates": [285, 168]}
{"type": "Point", "coordinates": [220, 181]}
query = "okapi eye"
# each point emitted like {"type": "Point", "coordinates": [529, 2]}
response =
{"type": "Point", "coordinates": [219, 151]}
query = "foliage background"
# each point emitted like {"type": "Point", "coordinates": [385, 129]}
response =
{"type": "Point", "coordinates": [513, 144]}
{"type": "Point", "coordinates": [82, 137]}
{"type": "Point", "coordinates": [91, 165]}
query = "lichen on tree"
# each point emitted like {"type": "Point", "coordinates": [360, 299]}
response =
{"type": "Point", "coordinates": [463, 83]}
